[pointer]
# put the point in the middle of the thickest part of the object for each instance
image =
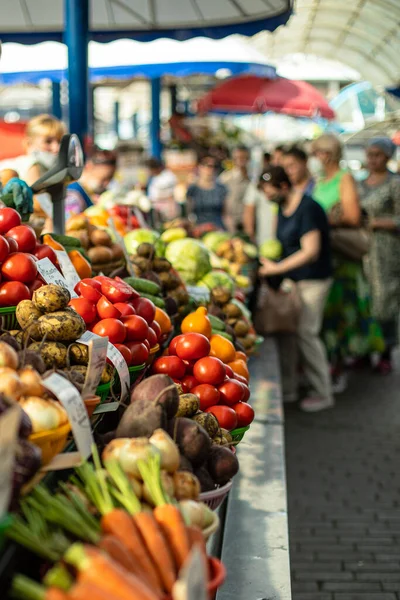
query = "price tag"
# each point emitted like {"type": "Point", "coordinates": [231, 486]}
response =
{"type": "Point", "coordinates": [51, 275]}
{"type": "Point", "coordinates": [200, 294]}
{"type": "Point", "coordinates": [45, 203]}
{"type": "Point", "coordinates": [97, 346]}
{"type": "Point", "coordinates": [9, 425]}
{"type": "Point", "coordinates": [119, 240]}
{"type": "Point", "coordinates": [73, 403]}
{"type": "Point", "coordinates": [191, 584]}
{"type": "Point", "coordinates": [67, 268]}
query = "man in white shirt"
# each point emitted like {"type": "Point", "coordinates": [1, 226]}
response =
{"type": "Point", "coordinates": [161, 189]}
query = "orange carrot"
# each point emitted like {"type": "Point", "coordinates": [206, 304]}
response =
{"type": "Point", "coordinates": [157, 547]}
{"type": "Point", "coordinates": [172, 524]}
{"type": "Point", "coordinates": [120, 524]}
{"type": "Point", "coordinates": [196, 538]}
{"type": "Point", "coordinates": [96, 568]}
{"type": "Point", "coordinates": [90, 591]}
{"type": "Point", "coordinates": [56, 594]}
{"type": "Point", "coordinates": [119, 552]}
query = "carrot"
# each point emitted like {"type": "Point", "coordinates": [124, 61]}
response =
{"type": "Point", "coordinates": [172, 524]}
{"type": "Point", "coordinates": [96, 568]}
{"type": "Point", "coordinates": [120, 524]}
{"type": "Point", "coordinates": [157, 547]}
{"type": "Point", "coordinates": [119, 552]}
{"type": "Point", "coordinates": [56, 594]}
{"type": "Point", "coordinates": [196, 538]}
{"type": "Point", "coordinates": [90, 591]}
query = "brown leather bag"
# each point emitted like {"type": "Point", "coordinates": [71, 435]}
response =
{"type": "Point", "coordinates": [277, 311]}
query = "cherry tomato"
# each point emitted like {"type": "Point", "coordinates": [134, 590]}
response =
{"type": "Point", "coordinates": [173, 343]}
{"type": "Point", "coordinates": [12, 244]}
{"type": "Point", "coordinates": [19, 267]}
{"type": "Point", "coordinates": [189, 366]}
{"type": "Point", "coordinates": [169, 365]}
{"type": "Point", "coordinates": [4, 248]}
{"type": "Point", "coordinates": [116, 291]}
{"type": "Point", "coordinates": [112, 328]}
{"type": "Point", "coordinates": [144, 308]}
{"type": "Point", "coordinates": [83, 307]}
{"type": "Point", "coordinates": [151, 336]}
{"type": "Point", "coordinates": [245, 414]}
{"type": "Point", "coordinates": [231, 392]}
{"type": "Point", "coordinates": [24, 236]}
{"type": "Point", "coordinates": [12, 292]}
{"type": "Point", "coordinates": [190, 381]}
{"type": "Point", "coordinates": [225, 416]}
{"type": "Point", "coordinates": [209, 370]}
{"type": "Point", "coordinates": [88, 291]}
{"type": "Point", "coordinates": [139, 351]}
{"type": "Point", "coordinates": [126, 353]}
{"type": "Point", "coordinates": [207, 394]}
{"type": "Point", "coordinates": [240, 378]}
{"type": "Point", "coordinates": [124, 308]}
{"type": "Point", "coordinates": [192, 346]}
{"type": "Point", "coordinates": [155, 326]}
{"type": "Point", "coordinates": [8, 218]}
{"type": "Point", "coordinates": [136, 328]}
{"type": "Point", "coordinates": [229, 372]}
{"type": "Point", "coordinates": [107, 310]}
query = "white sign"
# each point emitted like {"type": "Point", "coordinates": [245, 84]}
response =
{"type": "Point", "coordinates": [45, 203]}
{"type": "Point", "coordinates": [200, 294]}
{"type": "Point", "coordinates": [97, 346]}
{"type": "Point", "coordinates": [73, 403]}
{"type": "Point", "coordinates": [51, 275]}
{"type": "Point", "coordinates": [9, 426]}
{"type": "Point", "coordinates": [191, 584]}
{"type": "Point", "coordinates": [67, 268]}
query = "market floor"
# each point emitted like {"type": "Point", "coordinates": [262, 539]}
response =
{"type": "Point", "coordinates": [343, 477]}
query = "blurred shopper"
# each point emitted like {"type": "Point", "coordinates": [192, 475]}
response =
{"type": "Point", "coordinates": [380, 198]}
{"type": "Point", "coordinates": [266, 161]}
{"type": "Point", "coordinates": [303, 231]}
{"type": "Point", "coordinates": [207, 197]}
{"type": "Point", "coordinates": [295, 165]}
{"type": "Point", "coordinates": [238, 184]}
{"type": "Point", "coordinates": [349, 330]}
{"type": "Point", "coordinates": [277, 156]}
{"type": "Point", "coordinates": [161, 189]}
{"type": "Point", "coordinates": [259, 215]}
{"type": "Point", "coordinates": [42, 142]}
{"type": "Point", "coordinates": [97, 175]}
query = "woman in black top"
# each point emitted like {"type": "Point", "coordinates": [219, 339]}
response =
{"type": "Point", "coordinates": [206, 197]}
{"type": "Point", "coordinates": [303, 231]}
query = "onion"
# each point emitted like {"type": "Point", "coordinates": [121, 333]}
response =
{"type": "Point", "coordinates": [8, 356]}
{"type": "Point", "coordinates": [196, 513]}
{"type": "Point", "coordinates": [10, 383]}
{"type": "Point", "coordinates": [137, 486]}
{"type": "Point", "coordinates": [45, 415]}
{"type": "Point", "coordinates": [170, 456]}
{"type": "Point", "coordinates": [187, 486]}
{"type": "Point", "coordinates": [167, 483]}
{"type": "Point", "coordinates": [127, 451]}
{"type": "Point", "coordinates": [31, 381]}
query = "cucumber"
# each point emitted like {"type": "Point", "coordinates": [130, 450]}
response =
{"type": "Point", "coordinates": [159, 302]}
{"type": "Point", "coordinates": [143, 285]}
{"type": "Point", "coordinates": [223, 333]}
{"type": "Point", "coordinates": [66, 240]}
{"type": "Point", "coordinates": [216, 323]}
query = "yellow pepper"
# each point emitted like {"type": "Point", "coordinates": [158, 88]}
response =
{"type": "Point", "coordinates": [222, 348]}
{"type": "Point", "coordinates": [197, 322]}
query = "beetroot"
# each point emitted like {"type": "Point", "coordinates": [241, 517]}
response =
{"type": "Point", "coordinates": [151, 390]}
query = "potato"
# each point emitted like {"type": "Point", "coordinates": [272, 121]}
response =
{"type": "Point", "coordinates": [51, 298]}
{"type": "Point", "coordinates": [62, 326]}
{"type": "Point", "coordinates": [222, 464]}
{"type": "Point", "coordinates": [117, 252]}
{"type": "Point", "coordinates": [27, 316]}
{"type": "Point", "coordinates": [107, 374]}
{"type": "Point", "coordinates": [189, 404]}
{"type": "Point", "coordinates": [100, 254]}
{"type": "Point", "coordinates": [99, 237]}
{"type": "Point", "coordinates": [78, 354]}
{"type": "Point", "coordinates": [81, 235]}
{"type": "Point", "coordinates": [208, 421]}
{"type": "Point", "coordinates": [53, 354]}
{"type": "Point", "coordinates": [187, 486]}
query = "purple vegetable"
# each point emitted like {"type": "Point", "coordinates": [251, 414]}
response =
{"type": "Point", "coordinates": [28, 460]}
{"type": "Point", "coordinates": [25, 426]}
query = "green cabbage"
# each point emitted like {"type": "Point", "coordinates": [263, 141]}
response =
{"type": "Point", "coordinates": [218, 279]}
{"type": "Point", "coordinates": [134, 238]}
{"type": "Point", "coordinates": [213, 239]}
{"type": "Point", "coordinates": [190, 258]}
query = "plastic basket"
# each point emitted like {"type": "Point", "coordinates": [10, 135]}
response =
{"type": "Point", "coordinates": [8, 318]}
{"type": "Point", "coordinates": [51, 442]}
{"type": "Point", "coordinates": [153, 354]}
{"type": "Point", "coordinates": [135, 372]}
{"type": "Point", "coordinates": [238, 434]}
{"type": "Point", "coordinates": [215, 498]}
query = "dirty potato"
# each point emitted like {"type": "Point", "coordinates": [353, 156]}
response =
{"type": "Point", "coordinates": [27, 316]}
{"type": "Point", "coordinates": [54, 354]}
{"type": "Point", "coordinates": [62, 326]}
{"type": "Point", "coordinates": [51, 298]}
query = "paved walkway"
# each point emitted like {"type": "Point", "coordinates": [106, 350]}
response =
{"type": "Point", "coordinates": [343, 476]}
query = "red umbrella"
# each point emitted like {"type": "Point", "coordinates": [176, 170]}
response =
{"type": "Point", "coordinates": [251, 94]}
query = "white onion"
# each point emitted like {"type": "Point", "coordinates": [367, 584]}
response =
{"type": "Point", "coordinates": [8, 356]}
{"type": "Point", "coordinates": [45, 415]}
{"type": "Point", "coordinates": [31, 381]}
{"type": "Point", "coordinates": [169, 450]}
{"type": "Point", "coordinates": [127, 451]}
{"type": "Point", "coordinates": [10, 383]}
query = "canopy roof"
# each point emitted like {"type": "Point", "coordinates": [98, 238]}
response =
{"type": "Point", "coordinates": [40, 20]}
{"type": "Point", "coordinates": [363, 34]}
{"type": "Point", "coordinates": [125, 59]}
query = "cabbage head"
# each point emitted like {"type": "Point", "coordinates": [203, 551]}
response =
{"type": "Point", "coordinates": [134, 238]}
{"type": "Point", "coordinates": [213, 239]}
{"type": "Point", "coordinates": [190, 258]}
{"type": "Point", "coordinates": [219, 279]}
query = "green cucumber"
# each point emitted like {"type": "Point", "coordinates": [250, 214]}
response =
{"type": "Point", "coordinates": [143, 285]}
{"type": "Point", "coordinates": [66, 240]}
{"type": "Point", "coordinates": [159, 302]}
{"type": "Point", "coordinates": [223, 333]}
{"type": "Point", "coordinates": [216, 323]}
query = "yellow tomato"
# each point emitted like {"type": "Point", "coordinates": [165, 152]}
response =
{"type": "Point", "coordinates": [222, 348]}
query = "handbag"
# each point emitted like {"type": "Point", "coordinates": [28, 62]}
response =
{"type": "Point", "coordinates": [277, 311]}
{"type": "Point", "coordinates": [351, 243]}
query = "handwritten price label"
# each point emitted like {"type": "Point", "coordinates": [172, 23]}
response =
{"type": "Point", "coordinates": [9, 425]}
{"type": "Point", "coordinates": [97, 360]}
{"type": "Point", "coordinates": [51, 275]}
{"type": "Point", "coordinates": [67, 268]}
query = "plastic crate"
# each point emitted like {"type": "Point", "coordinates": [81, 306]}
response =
{"type": "Point", "coordinates": [238, 434]}
{"type": "Point", "coordinates": [216, 497]}
{"type": "Point", "coordinates": [8, 318]}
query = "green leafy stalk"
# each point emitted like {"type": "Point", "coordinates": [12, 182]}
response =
{"type": "Point", "coordinates": [122, 489]}
{"type": "Point", "coordinates": [23, 588]}
{"type": "Point", "coordinates": [150, 470]}
{"type": "Point", "coordinates": [21, 533]}
{"type": "Point", "coordinates": [95, 485]}
{"type": "Point", "coordinates": [58, 577]}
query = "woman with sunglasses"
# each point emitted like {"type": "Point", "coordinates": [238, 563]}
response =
{"type": "Point", "coordinates": [206, 198]}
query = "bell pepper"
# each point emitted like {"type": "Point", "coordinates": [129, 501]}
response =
{"type": "Point", "coordinates": [197, 322]}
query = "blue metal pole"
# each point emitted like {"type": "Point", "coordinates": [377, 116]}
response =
{"type": "Point", "coordinates": [77, 38]}
{"type": "Point", "coordinates": [155, 122]}
{"type": "Point", "coordinates": [135, 125]}
{"type": "Point", "coordinates": [116, 118]}
{"type": "Point", "coordinates": [56, 109]}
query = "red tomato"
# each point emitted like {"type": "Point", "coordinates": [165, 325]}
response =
{"type": "Point", "coordinates": [116, 291]}
{"type": "Point", "coordinates": [35, 285]}
{"type": "Point", "coordinates": [88, 291]}
{"type": "Point", "coordinates": [124, 308]}
{"type": "Point", "coordinates": [189, 366]}
{"type": "Point", "coordinates": [106, 310]}
{"type": "Point", "coordinates": [192, 346]}
{"type": "Point", "coordinates": [190, 381]}
{"type": "Point", "coordinates": [44, 251]}
{"type": "Point", "coordinates": [12, 292]}
{"type": "Point", "coordinates": [231, 392]}
{"type": "Point", "coordinates": [173, 343]}
{"type": "Point", "coordinates": [134, 293]}
{"type": "Point", "coordinates": [169, 365]}
{"type": "Point", "coordinates": [93, 282]}
{"type": "Point", "coordinates": [240, 378]}
{"type": "Point", "coordinates": [99, 279]}
{"type": "Point", "coordinates": [126, 353]}
{"type": "Point", "coordinates": [4, 249]}
{"type": "Point", "coordinates": [12, 244]}
{"type": "Point", "coordinates": [229, 372]}
{"type": "Point", "coordinates": [245, 414]}
{"type": "Point", "coordinates": [145, 342]}
{"type": "Point", "coordinates": [155, 326]}
{"type": "Point", "coordinates": [152, 338]}
{"type": "Point", "coordinates": [83, 307]}
{"type": "Point", "coordinates": [225, 416]}
{"type": "Point", "coordinates": [209, 370]}
{"type": "Point", "coordinates": [111, 328]}
{"type": "Point", "coordinates": [139, 351]}
{"type": "Point", "coordinates": [8, 218]}
{"type": "Point", "coordinates": [246, 392]}
{"type": "Point", "coordinates": [208, 395]}
{"type": "Point", "coordinates": [24, 236]}
{"type": "Point", "coordinates": [144, 308]}
{"type": "Point", "coordinates": [19, 267]}
{"type": "Point", "coordinates": [136, 328]}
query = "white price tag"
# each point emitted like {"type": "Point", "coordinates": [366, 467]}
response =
{"type": "Point", "coordinates": [51, 275]}
{"type": "Point", "coordinates": [200, 294]}
{"type": "Point", "coordinates": [97, 361]}
{"type": "Point", "coordinates": [120, 240]}
{"type": "Point", "coordinates": [191, 584]}
{"type": "Point", "coordinates": [67, 268]}
{"type": "Point", "coordinates": [73, 403]}
{"type": "Point", "coordinates": [45, 203]}
{"type": "Point", "coordinates": [9, 425]}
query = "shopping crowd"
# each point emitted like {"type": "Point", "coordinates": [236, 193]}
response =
{"type": "Point", "coordinates": [340, 243]}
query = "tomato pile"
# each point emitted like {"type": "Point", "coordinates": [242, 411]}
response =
{"type": "Point", "coordinates": [112, 308]}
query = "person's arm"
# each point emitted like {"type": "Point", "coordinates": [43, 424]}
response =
{"type": "Point", "coordinates": [350, 203]}
{"type": "Point", "coordinates": [310, 246]}
{"type": "Point", "coordinates": [388, 223]}
{"type": "Point", "coordinates": [34, 173]}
